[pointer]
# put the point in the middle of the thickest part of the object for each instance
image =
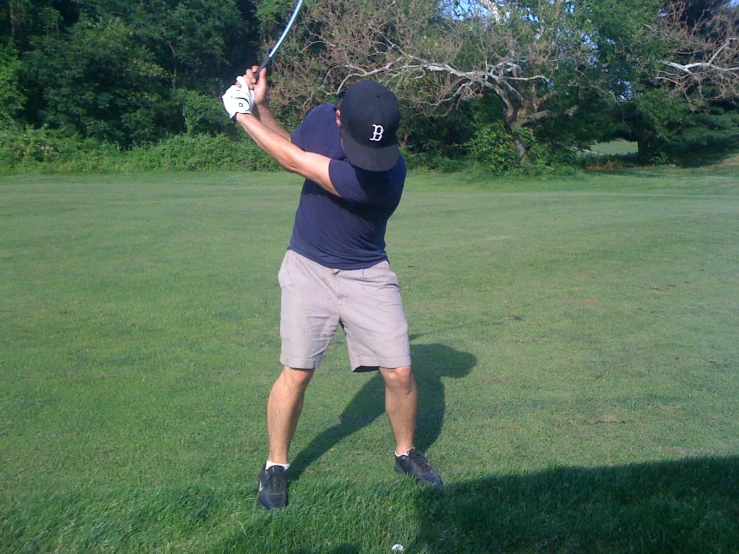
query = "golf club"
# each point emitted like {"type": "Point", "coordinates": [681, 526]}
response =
{"type": "Point", "coordinates": [272, 52]}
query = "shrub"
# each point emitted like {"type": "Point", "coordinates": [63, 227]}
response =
{"type": "Point", "coordinates": [203, 114]}
{"type": "Point", "coordinates": [198, 152]}
{"type": "Point", "coordinates": [429, 162]}
{"type": "Point", "coordinates": [550, 159]}
{"type": "Point", "coordinates": [48, 150]}
{"type": "Point", "coordinates": [492, 148]}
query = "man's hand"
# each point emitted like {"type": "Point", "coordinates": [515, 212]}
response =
{"type": "Point", "coordinates": [257, 83]}
{"type": "Point", "coordinates": [238, 100]}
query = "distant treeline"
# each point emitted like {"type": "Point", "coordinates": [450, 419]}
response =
{"type": "Point", "coordinates": [508, 85]}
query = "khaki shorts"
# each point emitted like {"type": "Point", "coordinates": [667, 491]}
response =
{"type": "Point", "coordinates": [366, 302]}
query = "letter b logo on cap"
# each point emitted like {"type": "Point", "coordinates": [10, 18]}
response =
{"type": "Point", "coordinates": [377, 132]}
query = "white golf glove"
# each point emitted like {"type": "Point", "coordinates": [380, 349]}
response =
{"type": "Point", "coordinates": [238, 99]}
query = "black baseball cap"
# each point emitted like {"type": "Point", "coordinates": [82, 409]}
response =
{"type": "Point", "coordinates": [370, 116]}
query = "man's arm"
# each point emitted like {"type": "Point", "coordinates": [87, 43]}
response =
{"type": "Point", "coordinates": [272, 137]}
{"type": "Point", "coordinates": [289, 156]}
{"type": "Point", "coordinates": [258, 84]}
{"type": "Point", "coordinates": [262, 113]}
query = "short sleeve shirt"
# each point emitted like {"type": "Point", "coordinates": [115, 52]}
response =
{"type": "Point", "coordinates": [348, 231]}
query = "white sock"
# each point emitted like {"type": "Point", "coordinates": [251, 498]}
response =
{"type": "Point", "coordinates": [403, 454]}
{"type": "Point", "coordinates": [270, 464]}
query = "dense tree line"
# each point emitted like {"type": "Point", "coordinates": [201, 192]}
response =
{"type": "Point", "coordinates": [506, 82]}
{"type": "Point", "coordinates": [123, 71]}
{"type": "Point", "coordinates": [545, 75]}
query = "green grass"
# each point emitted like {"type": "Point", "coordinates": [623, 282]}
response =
{"type": "Point", "coordinates": [575, 343]}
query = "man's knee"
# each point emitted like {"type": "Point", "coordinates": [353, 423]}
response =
{"type": "Point", "coordinates": [398, 377]}
{"type": "Point", "coordinates": [296, 378]}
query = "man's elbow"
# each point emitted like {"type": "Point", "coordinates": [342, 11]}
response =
{"type": "Point", "coordinates": [291, 165]}
{"type": "Point", "coordinates": [295, 162]}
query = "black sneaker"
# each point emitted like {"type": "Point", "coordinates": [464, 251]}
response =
{"type": "Point", "coordinates": [273, 484]}
{"type": "Point", "coordinates": [417, 466]}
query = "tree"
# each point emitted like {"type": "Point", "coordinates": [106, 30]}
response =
{"type": "Point", "coordinates": [11, 98]}
{"type": "Point", "coordinates": [21, 20]}
{"type": "Point", "coordinates": [98, 80]}
{"type": "Point", "coordinates": [704, 45]}
{"type": "Point", "coordinates": [680, 95]}
{"type": "Point", "coordinates": [538, 57]}
{"type": "Point", "coordinates": [544, 60]}
{"type": "Point", "coordinates": [196, 42]}
{"type": "Point", "coordinates": [126, 71]}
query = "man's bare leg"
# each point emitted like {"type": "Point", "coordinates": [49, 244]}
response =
{"type": "Point", "coordinates": [401, 405]}
{"type": "Point", "coordinates": [283, 410]}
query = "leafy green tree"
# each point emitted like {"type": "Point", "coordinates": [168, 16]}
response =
{"type": "Point", "coordinates": [678, 96]}
{"type": "Point", "coordinates": [11, 98]}
{"type": "Point", "coordinates": [126, 71]}
{"type": "Point", "coordinates": [100, 81]}
{"type": "Point", "coordinates": [197, 42]}
{"type": "Point", "coordinates": [21, 20]}
{"type": "Point", "coordinates": [203, 114]}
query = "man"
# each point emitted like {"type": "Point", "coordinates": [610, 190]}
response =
{"type": "Point", "coordinates": [336, 271]}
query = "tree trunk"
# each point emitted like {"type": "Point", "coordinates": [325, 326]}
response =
{"type": "Point", "coordinates": [510, 116]}
{"type": "Point", "coordinates": [643, 143]}
{"type": "Point", "coordinates": [521, 149]}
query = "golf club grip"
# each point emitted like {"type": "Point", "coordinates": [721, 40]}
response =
{"type": "Point", "coordinates": [264, 64]}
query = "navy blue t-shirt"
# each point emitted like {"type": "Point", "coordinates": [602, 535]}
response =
{"type": "Point", "coordinates": [346, 232]}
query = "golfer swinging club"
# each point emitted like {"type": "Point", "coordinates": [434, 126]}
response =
{"type": "Point", "coordinates": [336, 271]}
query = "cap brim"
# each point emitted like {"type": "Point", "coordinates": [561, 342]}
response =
{"type": "Point", "coordinates": [370, 159]}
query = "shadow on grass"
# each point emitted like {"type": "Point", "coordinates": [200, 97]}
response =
{"type": "Point", "coordinates": [683, 506]}
{"type": "Point", "coordinates": [431, 362]}
{"type": "Point", "coordinates": [660, 507]}
{"type": "Point", "coordinates": [708, 151]}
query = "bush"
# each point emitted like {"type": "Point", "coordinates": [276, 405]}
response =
{"type": "Point", "coordinates": [548, 159]}
{"type": "Point", "coordinates": [492, 148]}
{"type": "Point", "coordinates": [203, 114]}
{"type": "Point", "coordinates": [46, 150]}
{"type": "Point", "coordinates": [198, 153]}
{"type": "Point", "coordinates": [429, 162]}
{"type": "Point", "coordinates": [29, 148]}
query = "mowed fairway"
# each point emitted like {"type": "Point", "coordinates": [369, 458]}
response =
{"type": "Point", "coordinates": [576, 344]}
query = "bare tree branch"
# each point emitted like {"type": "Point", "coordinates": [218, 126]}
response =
{"type": "Point", "coordinates": [705, 64]}
{"type": "Point", "coordinates": [532, 56]}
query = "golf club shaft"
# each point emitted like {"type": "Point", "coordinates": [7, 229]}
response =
{"type": "Point", "coordinates": [272, 52]}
